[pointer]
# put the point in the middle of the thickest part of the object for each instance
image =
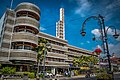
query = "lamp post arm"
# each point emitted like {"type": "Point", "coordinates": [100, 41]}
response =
{"type": "Point", "coordinates": [84, 23]}
{"type": "Point", "coordinates": [110, 27]}
{"type": "Point", "coordinates": [99, 21]}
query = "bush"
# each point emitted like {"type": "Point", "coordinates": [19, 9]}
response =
{"type": "Point", "coordinates": [76, 72]}
{"type": "Point", "coordinates": [104, 76]}
{"type": "Point", "coordinates": [8, 70]}
{"type": "Point", "coordinates": [30, 74]}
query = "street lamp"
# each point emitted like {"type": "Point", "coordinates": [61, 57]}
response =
{"type": "Point", "coordinates": [48, 47]}
{"type": "Point", "coordinates": [116, 35]}
{"type": "Point", "coordinates": [103, 33]}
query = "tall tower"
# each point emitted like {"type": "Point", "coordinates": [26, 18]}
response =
{"type": "Point", "coordinates": [60, 29]}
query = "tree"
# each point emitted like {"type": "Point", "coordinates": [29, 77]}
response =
{"type": "Point", "coordinates": [85, 61]}
{"type": "Point", "coordinates": [40, 51]}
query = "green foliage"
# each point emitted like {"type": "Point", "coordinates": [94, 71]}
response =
{"type": "Point", "coordinates": [30, 74]}
{"type": "Point", "coordinates": [8, 70]}
{"type": "Point", "coordinates": [102, 70]}
{"type": "Point", "coordinates": [76, 72]}
{"type": "Point", "coordinates": [0, 65]}
{"type": "Point", "coordinates": [85, 61]}
{"type": "Point", "coordinates": [104, 76]}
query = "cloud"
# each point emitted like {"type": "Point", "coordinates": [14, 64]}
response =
{"type": "Point", "coordinates": [114, 49]}
{"type": "Point", "coordinates": [96, 32]}
{"type": "Point", "coordinates": [42, 29]}
{"type": "Point", "coordinates": [83, 7]}
{"type": "Point", "coordinates": [118, 32]}
{"type": "Point", "coordinates": [88, 41]}
{"type": "Point", "coordinates": [98, 46]}
{"type": "Point", "coordinates": [118, 39]}
{"type": "Point", "coordinates": [81, 43]}
{"type": "Point", "coordinates": [110, 31]}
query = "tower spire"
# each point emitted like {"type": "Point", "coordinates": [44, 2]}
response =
{"type": "Point", "coordinates": [11, 4]}
{"type": "Point", "coordinates": [60, 29]}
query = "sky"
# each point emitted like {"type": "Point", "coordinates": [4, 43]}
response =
{"type": "Point", "coordinates": [76, 12]}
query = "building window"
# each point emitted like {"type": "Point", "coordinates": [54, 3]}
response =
{"type": "Point", "coordinates": [21, 45]}
{"type": "Point", "coordinates": [28, 47]}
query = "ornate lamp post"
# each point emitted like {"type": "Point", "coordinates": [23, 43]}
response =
{"type": "Point", "coordinates": [103, 33]}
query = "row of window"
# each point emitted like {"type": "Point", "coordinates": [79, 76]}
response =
{"type": "Point", "coordinates": [21, 46]}
{"type": "Point", "coordinates": [57, 51]}
{"type": "Point", "coordinates": [24, 30]}
{"type": "Point", "coordinates": [55, 59]}
{"type": "Point", "coordinates": [74, 51]}
{"type": "Point", "coordinates": [56, 43]}
{"type": "Point", "coordinates": [26, 14]}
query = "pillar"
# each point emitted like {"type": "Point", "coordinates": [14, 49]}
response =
{"type": "Point", "coordinates": [53, 71]}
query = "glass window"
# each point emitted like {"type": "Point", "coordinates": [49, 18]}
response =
{"type": "Point", "coordinates": [19, 47]}
{"type": "Point", "coordinates": [27, 47]}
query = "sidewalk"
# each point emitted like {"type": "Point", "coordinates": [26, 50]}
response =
{"type": "Point", "coordinates": [58, 78]}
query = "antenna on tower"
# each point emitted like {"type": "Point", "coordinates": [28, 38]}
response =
{"type": "Point", "coordinates": [11, 4]}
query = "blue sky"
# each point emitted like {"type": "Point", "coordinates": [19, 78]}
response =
{"type": "Point", "coordinates": [76, 11]}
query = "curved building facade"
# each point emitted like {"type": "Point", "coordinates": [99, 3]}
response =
{"type": "Point", "coordinates": [19, 36]}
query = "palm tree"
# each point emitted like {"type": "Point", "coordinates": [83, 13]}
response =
{"type": "Point", "coordinates": [40, 52]}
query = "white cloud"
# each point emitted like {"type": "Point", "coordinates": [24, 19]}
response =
{"type": "Point", "coordinates": [118, 32]}
{"type": "Point", "coordinates": [42, 29]}
{"type": "Point", "coordinates": [98, 46]}
{"type": "Point", "coordinates": [84, 7]}
{"type": "Point", "coordinates": [114, 49]}
{"type": "Point", "coordinates": [96, 32]}
{"type": "Point", "coordinates": [118, 39]}
{"type": "Point", "coordinates": [81, 43]}
{"type": "Point", "coordinates": [88, 41]}
{"type": "Point", "coordinates": [110, 31]}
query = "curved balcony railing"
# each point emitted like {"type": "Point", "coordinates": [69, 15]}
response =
{"type": "Point", "coordinates": [56, 55]}
{"type": "Point", "coordinates": [25, 37]}
{"type": "Point", "coordinates": [17, 54]}
{"type": "Point", "coordinates": [55, 63]}
{"type": "Point", "coordinates": [3, 54]}
{"type": "Point", "coordinates": [28, 7]}
{"type": "Point", "coordinates": [27, 20]}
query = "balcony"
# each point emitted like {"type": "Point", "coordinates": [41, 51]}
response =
{"type": "Point", "coordinates": [55, 63]}
{"type": "Point", "coordinates": [61, 48]}
{"type": "Point", "coordinates": [74, 53]}
{"type": "Point", "coordinates": [25, 37]}
{"type": "Point", "coordinates": [57, 55]}
{"type": "Point", "coordinates": [27, 21]}
{"type": "Point", "coordinates": [18, 54]}
{"type": "Point", "coordinates": [3, 54]}
{"type": "Point", "coordinates": [28, 7]}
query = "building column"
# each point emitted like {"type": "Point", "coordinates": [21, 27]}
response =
{"type": "Point", "coordinates": [53, 71]}
{"type": "Point", "coordinates": [21, 68]}
{"type": "Point", "coordinates": [28, 68]}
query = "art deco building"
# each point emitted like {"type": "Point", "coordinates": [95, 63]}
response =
{"type": "Point", "coordinates": [19, 34]}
